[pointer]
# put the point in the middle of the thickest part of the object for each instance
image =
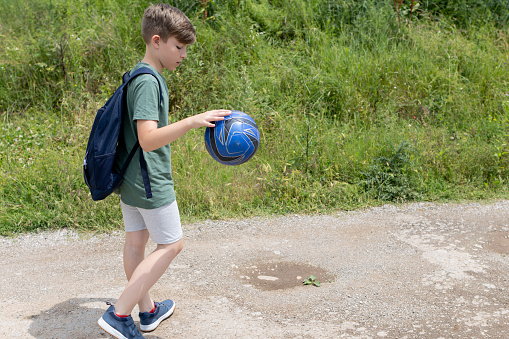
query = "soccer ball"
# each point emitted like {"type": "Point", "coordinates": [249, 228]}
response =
{"type": "Point", "coordinates": [234, 140]}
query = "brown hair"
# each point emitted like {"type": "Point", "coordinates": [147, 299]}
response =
{"type": "Point", "coordinates": [166, 21]}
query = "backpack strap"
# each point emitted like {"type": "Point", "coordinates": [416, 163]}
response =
{"type": "Point", "coordinates": [143, 167]}
{"type": "Point", "coordinates": [129, 158]}
{"type": "Point", "coordinates": [143, 164]}
{"type": "Point", "coordinates": [144, 174]}
{"type": "Point", "coordinates": [143, 70]}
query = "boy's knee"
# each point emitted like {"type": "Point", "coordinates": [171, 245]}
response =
{"type": "Point", "coordinates": [134, 246]}
{"type": "Point", "coordinates": [174, 248]}
{"type": "Point", "coordinates": [135, 249]}
{"type": "Point", "coordinates": [179, 245]}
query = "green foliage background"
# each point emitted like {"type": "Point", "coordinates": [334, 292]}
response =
{"type": "Point", "coordinates": [355, 107]}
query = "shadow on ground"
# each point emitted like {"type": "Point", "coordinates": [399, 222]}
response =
{"type": "Point", "coordinates": [74, 318]}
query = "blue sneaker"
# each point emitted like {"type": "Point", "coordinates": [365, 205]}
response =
{"type": "Point", "coordinates": [121, 328]}
{"type": "Point", "coordinates": [149, 321]}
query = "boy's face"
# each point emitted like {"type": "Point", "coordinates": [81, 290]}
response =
{"type": "Point", "coordinates": [171, 53]}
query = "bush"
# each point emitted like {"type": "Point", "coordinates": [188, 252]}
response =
{"type": "Point", "coordinates": [390, 178]}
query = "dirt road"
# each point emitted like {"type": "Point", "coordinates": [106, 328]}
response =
{"type": "Point", "coordinates": [416, 271]}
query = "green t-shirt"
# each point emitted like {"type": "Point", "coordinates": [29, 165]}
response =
{"type": "Point", "coordinates": [143, 103]}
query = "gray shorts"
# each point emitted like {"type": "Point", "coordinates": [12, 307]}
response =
{"type": "Point", "coordinates": [163, 223]}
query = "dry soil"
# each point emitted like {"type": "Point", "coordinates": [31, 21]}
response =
{"type": "Point", "coordinates": [414, 271]}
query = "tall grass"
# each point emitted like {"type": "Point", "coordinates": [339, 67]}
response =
{"type": "Point", "coordinates": [353, 109]}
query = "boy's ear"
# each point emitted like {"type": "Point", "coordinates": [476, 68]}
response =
{"type": "Point", "coordinates": [155, 41]}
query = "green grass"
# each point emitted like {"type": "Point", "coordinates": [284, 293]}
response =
{"type": "Point", "coordinates": [353, 109]}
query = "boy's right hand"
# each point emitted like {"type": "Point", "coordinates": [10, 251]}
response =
{"type": "Point", "coordinates": [205, 119]}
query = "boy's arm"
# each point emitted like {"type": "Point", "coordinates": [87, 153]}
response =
{"type": "Point", "coordinates": [152, 138]}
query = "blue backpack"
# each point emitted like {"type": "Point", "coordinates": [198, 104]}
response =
{"type": "Point", "coordinates": [102, 144]}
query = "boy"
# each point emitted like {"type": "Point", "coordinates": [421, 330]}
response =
{"type": "Point", "coordinates": [166, 32]}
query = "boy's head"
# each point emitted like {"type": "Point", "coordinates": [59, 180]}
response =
{"type": "Point", "coordinates": [167, 21]}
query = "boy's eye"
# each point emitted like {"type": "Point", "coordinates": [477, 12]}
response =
{"type": "Point", "coordinates": [178, 47]}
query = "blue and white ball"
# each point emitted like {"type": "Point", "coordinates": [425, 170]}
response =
{"type": "Point", "coordinates": [234, 140]}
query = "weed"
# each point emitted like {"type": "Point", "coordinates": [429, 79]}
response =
{"type": "Point", "coordinates": [311, 281]}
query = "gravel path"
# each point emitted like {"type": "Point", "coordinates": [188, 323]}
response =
{"type": "Point", "coordinates": [416, 271]}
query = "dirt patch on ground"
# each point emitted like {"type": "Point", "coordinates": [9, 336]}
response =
{"type": "Point", "coordinates": [282, 275]}
{"type": "Point", "coordinates": [414, 271]}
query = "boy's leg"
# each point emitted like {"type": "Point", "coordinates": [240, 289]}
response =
{"type": "Point", "coordinates": [134, 253]}
{"type": "Point", "coordinates": [146, 275]}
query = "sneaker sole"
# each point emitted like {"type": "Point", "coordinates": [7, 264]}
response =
{"type": "Point", "coordinates": [110, 330]}
{"type": "Point", "coordinates": [153, 326]}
